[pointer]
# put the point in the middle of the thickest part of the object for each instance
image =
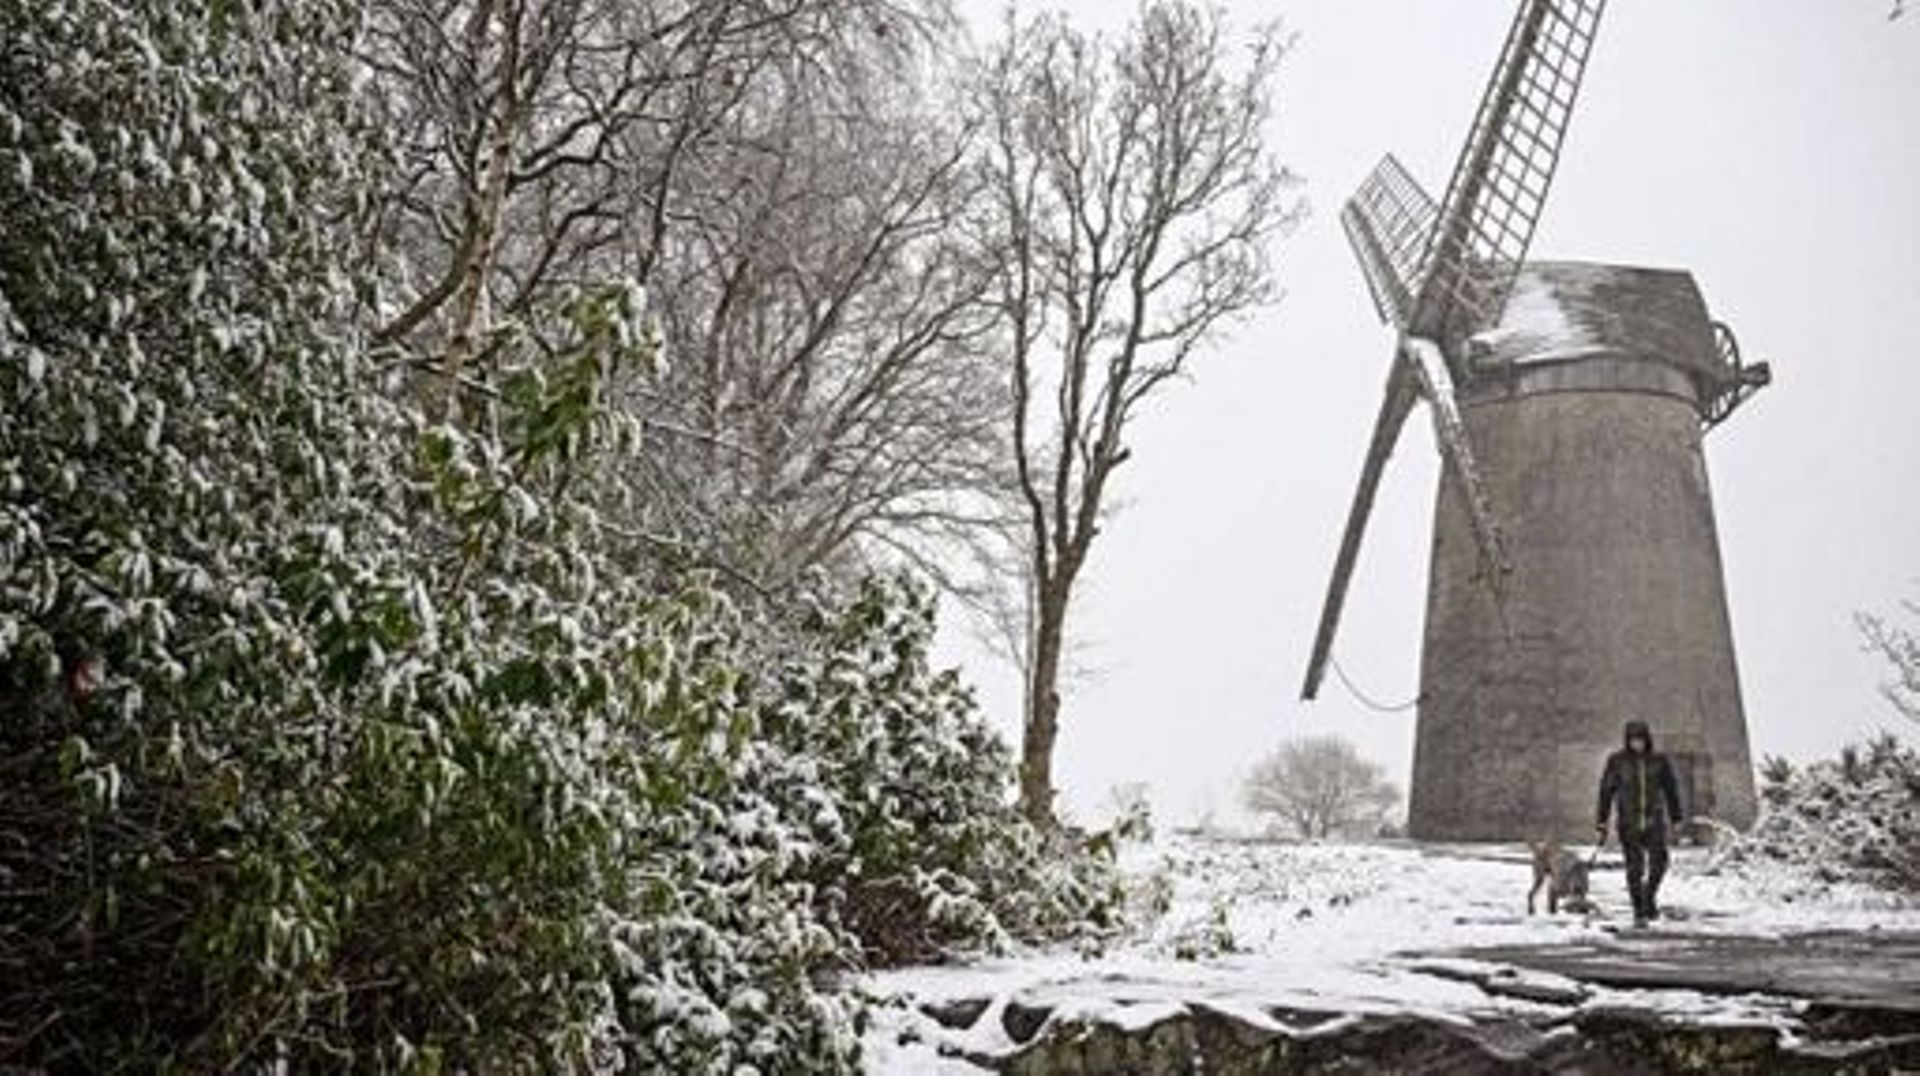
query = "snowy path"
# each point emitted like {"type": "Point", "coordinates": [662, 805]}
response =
{"type": "Point", "coordinates": [1258, 931]}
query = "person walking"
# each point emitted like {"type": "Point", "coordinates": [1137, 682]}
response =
{"type": "Point", "coordinates": [1639, 790]}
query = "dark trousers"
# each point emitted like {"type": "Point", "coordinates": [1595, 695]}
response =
{"type": "Point", "coordinates": [1646, 864]}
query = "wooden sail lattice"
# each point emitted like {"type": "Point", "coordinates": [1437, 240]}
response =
{"type": "Point", "coordinates": [1440, 274]}
{"type": "Point", "coordinates": [1500, 182]}
{"type": "Point", "coordinates": [1389, 223]}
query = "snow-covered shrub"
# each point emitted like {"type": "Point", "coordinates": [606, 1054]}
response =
{"type": "Point", "coordinates": [716, 950]}
{"type": "Point", "coordinates": [1132, 812]}
{"type": "Point", "coordinates": [926, 855]}
{"type": "Point", "coordinates": [353, 785]}
{"type": "Point", "coordinates": [1206, 935]}
{"type": "Point", "coordinates": [335, 737]}
{"type": "Point", "coordinates": [1150, 895]}
{"type": "Point", "coordinates": [179, 419]}
{"type": "Point", "coordinates": [862, 816]}
{"type": "Point", "coordinates": [1855, 818]}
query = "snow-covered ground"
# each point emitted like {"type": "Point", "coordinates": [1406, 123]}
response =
{"type": "Point", "coordinates": [1250, 928]}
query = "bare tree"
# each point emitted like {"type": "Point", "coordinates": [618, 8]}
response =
{"type": "Point", "coordinates": [1900, 646]}
{"type": "Point", "coordinates": [1132, 203]}
{"type": "Point", "coordinates": [541, 141]}
{"type": "Point", "coordinates": [833, 386]}
{"type": "Point", "coordinates": [467, 87]}
{"type": "Point", "coordinates": [1322, 787]}
{"type": "Point", "coordinates": [787, 181]}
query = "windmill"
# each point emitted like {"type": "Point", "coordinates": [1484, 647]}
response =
{"type": "Point", "coordinates": [1575, 579]}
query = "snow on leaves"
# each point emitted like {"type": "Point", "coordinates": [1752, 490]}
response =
{"type": "Point", "coordinates": [391, 749]}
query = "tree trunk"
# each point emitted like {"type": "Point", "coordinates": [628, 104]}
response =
{"type": "Point", "coordinates": [1043, 708]}
{"type": "Point", "coordinates": [469, 297]}
{"type": "Point", "coordinates": [484, 206]}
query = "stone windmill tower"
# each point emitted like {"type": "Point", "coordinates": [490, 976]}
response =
{"type": "Point", "coordinates": [1575, 579]}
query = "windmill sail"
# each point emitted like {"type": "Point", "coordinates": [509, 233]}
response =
{"type": "Point", "coordinates": [1450, 432]}
{"type": "Point", "coordinates": [1389, 223]}
{"type": "Point", "coordinates": [1470, 250]}
{"type": "Point", "coordinates": [1397, 403]}
{"type": "Point", "coordinates": [1507, 164]}
{"type": "Point", "coordinates": [1419, 372]}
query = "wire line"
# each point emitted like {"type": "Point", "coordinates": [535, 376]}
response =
{"type": "Point", "coordinates": [1363, 698]}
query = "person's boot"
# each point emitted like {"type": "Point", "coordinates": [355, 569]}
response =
{"type": "Point", "coordinates": [1639, 898]}
{"type": "Point", "coordinates": [1650, 904]}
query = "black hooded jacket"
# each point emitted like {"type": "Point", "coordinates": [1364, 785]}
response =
{"type": "Point", "coordinates": [1634, 788]}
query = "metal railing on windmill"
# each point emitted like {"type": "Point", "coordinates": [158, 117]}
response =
{"type": "Point", "coordinates": [1439, 273]}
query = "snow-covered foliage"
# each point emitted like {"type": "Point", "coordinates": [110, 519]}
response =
{"type": "Point", "coordinates": [180, 440]}
{"type": "Point", "coordinates": [932, 859]}
{"type": "Point", "coordinates": [862, 818]}
{"type": "Point", "coordinates": [1855, 818]}
{"type": "Point", "coordinates": [333, 736]}
{"type": "Point", "coordinates": [1131, 807]}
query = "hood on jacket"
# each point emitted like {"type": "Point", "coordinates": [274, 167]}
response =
{"type": "Point", "coordinates": [1636, 728]}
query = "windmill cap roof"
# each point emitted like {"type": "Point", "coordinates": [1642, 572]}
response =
{"type": "Point", "coordinates": [1561, 312]}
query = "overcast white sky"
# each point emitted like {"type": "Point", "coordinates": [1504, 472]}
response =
{"type": "Point", "coordinates": [1772, 147]}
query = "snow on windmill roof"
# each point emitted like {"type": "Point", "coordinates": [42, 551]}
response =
{"type": "Point", "coordinates": [1563, 311]}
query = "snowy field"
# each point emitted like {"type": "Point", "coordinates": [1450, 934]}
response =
{"type": "Point", "coordinates": [1251, 928]}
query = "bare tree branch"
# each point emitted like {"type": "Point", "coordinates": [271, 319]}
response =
{"type": "Point", "coordinates": [1133, 203]}
{"type": "Point", "coordinates": [1321, 787]}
